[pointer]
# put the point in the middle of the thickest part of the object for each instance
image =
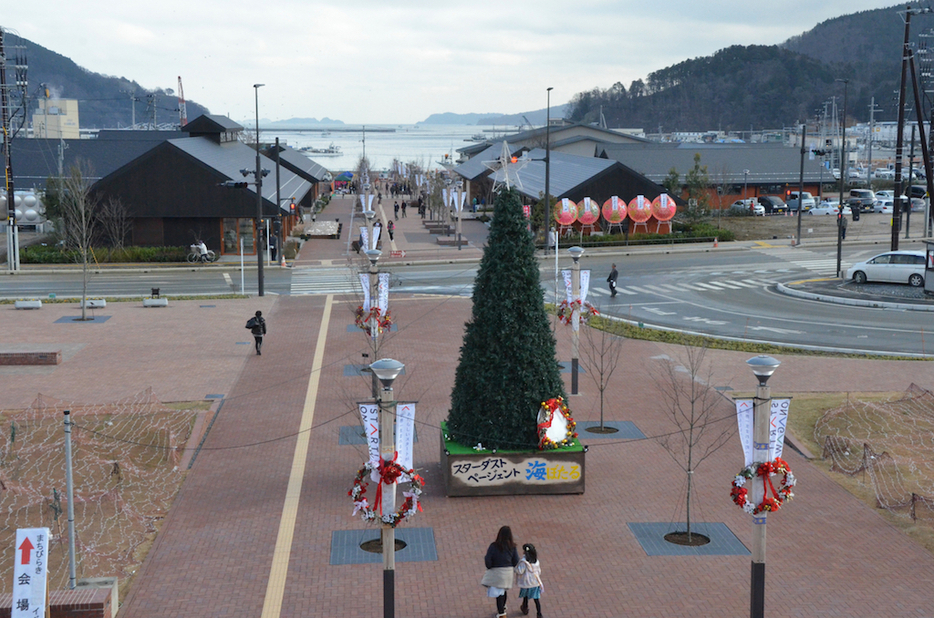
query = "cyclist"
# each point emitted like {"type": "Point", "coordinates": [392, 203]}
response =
{"type": "Point", "coordinates": [203, 251]}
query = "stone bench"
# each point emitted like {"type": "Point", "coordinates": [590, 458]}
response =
{"type": "Point", "coordinates": [155, 302]}
{"type": "Point", "coordinates": [31, 303]}
{"type": "Point", "coordinates": [31, 358]}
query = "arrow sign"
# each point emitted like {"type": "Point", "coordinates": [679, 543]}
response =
{"type": "Point", "coordinates": [399, 254]}
{"type": "Point", "coordinates": [26, 547]}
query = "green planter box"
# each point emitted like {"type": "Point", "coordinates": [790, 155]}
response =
{"type": "Point", "coordinates": [506, 473]}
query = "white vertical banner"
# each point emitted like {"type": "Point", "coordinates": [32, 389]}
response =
{"type": "Point", "coordinates": [366, 201]}
{"type": "Point", "coordinates": [369, 415]}
{"type": "Point", "coordinates": [377, 228]}
{"type": "Point", "coordinates": [567, 284]}
{"type": "Point", "coordinates": [461, 198]}
{"type": "Point", "coordinates": [382, 300]}
{"type": "Point", "coordinates": [364, 239]}
{"type": "Point", "coordinates": [30, 573]}
{"type": "Point", "coordinates": [777, 421]}
{"type": "Point", "coordinates": [365, 284]}
{"type": "Point", "coordinates": [405, 437]}
{"type": "Point", "coordinates": [744, 418]}
{"type": "Point", "coordinates": [445, 198]}
{"type": "Point", "coordinates": [585, 285]}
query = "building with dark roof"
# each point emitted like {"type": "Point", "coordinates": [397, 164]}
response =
{"type": "Point", "coordinates": [734, 169]}
{"type": "Point", "coordinates": [580, 139]}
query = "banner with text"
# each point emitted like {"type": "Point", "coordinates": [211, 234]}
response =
{"type": "Point", "coordinates": [778, 419]}
{"type": "Point", "coordinates": [30, 573]}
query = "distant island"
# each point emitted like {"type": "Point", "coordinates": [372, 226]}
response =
{"type": "Point", "coordinates": [299, 122]}
{"type": "Point", "coordinates": [536, 117]}
{"type": "Point", "coordinates": [452, 118]}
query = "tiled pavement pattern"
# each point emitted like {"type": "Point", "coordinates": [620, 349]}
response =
{"type": "Point", "coordinates": [828, 554]}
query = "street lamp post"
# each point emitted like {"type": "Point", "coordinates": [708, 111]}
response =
{"type": "Point", "coordinates": [387, 370]}
{"type": "Point", "coordinates": [745, 185]}
{"type": "Point", "coordinates": [843, 172]}
{"type": "Point", "coordinates": [259, 200]}
{"type": "Point", "coordinates": [763, 367]}
{"type": "Point", "coordinates": [576, 253]}
{"type": "Point", "coordinates": [373, 255]}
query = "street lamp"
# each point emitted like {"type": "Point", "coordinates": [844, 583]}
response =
{"type": "Point", "coordinates": [576, 253]}
{"type": "Point", "coordinates": [843, 172]}
{"type": "Point", "coordinates": [259, 198]}
{"type": "Point", "coordinates": [745, 185]}
{"type": "Point", "coordinates": [387, 370]}
{"type": "Point", "coordinates": [763, 367]}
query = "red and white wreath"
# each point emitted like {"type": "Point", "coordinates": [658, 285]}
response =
{"type": "Point", "coordinates": [365, 319]}
{"type": "Point", "coordinates": [765, 471]}
{"type": "Point", "coordinates": [555, 425]}
{"type": "Point", "coordinates": [386, 473]}
{"type": "Point", "coordinates": [565, 311]}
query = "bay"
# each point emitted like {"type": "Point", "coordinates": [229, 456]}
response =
{"type": "Point", "coordinates": [425, 145]}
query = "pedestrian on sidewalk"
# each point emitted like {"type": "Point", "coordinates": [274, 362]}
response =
{"type": "Point", "coordinates": [391, 228]}
{"type": "Point", "coordinates": [395, 210]}
{"type": "Point", "coordinates": [501, 560]}
{"type": "Point", "coordinates": [257, 326]}
{"type": "Point", "coordinates": [529, 580]}
{"type": "Point", "coordinates": [611, 280]}
{"type": "Point", "coordinates": [403, 209]}
{"type": "Point", "coordinates": [843, 223]}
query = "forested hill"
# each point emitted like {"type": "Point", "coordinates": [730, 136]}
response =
{"type": "Point", "coordinates": [103, 101]}
{"type": "Point", "coordinates": [767, 87]}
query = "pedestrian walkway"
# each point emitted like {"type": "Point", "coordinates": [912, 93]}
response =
{"type": "Point", "coordinates": [806, 259]}
{"type": "Point", "coordinates": [339, 280]}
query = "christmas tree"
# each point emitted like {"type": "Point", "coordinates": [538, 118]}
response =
{"type": "Point", "coordinates": [507, 365]}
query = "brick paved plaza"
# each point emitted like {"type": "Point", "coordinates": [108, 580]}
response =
{"type": "Point", "coordinates": [259, 519]}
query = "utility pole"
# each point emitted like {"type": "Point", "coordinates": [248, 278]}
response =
{"type": "Point", "coordinates": [872, 111]}
{"type": "Point", "coordinates": [5, 120]}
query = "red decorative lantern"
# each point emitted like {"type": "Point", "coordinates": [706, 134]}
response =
{"type": "Point", "coordinates": [588, 212]}
{"type": "Point", "coordinates": [614, 210]}
{"type": "Point", "coordinates": [640, 209]}
{"type": "Point", "coordinates": [663, 207]}
{"type": "Point", "coordinates": [565, 212]}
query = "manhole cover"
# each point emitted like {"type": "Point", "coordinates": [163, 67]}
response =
{"type": "Point", "coordinates": [682, 538]}
{"type": "Point", "coordinates": [376, 546]}
{"type": "Point", "coordinates": [599, 429]}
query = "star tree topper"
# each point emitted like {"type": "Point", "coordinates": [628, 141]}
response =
{"type": "Point", "coordinates": [510, 167]}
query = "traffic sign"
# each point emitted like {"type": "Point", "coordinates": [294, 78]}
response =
{"type": "Point", "coordinates": [398, 254]}
{"type": "Point", "coordinates": [30, 573]}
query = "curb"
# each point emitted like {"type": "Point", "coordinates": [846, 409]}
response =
{"type": "Point", "coordinates": [855, 302]}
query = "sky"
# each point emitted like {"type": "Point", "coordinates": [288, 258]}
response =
{"type": "Point", "coordinates": [399, 61]}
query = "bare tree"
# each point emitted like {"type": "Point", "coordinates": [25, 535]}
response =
{"type": "Point", "coordinates": [600, 356]}
{"type": "Point", "coordinates": [79, 211]}
{"type": "Point", "coordinates": [691, 402]}
{"type": "Point", "coordinates": [114, 222]}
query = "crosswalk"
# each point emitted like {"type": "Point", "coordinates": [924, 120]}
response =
{"type": "Point", "coordinates": [306, 281]}
{"type": "Point", "coordinates": [808, 260]}
{"type": "Point", "coordinates": [711, 285]}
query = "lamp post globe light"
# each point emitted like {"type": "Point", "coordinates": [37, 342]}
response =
{"type": "Point", "coordinates": [763, 367]}
{"type": "Point", "coordinates": [386, 371]}
{"type": "Point", "coordinates": [576, 253]}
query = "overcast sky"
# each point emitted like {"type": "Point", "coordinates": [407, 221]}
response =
{"type": "Point", "coordinates": [398, 61]}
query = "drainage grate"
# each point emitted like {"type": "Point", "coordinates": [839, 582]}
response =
{"type": "Point", "coordinates": [419, 546]}
{"type": "Point", "coordinates": [566, 367]}
{"type": "Point", "coordinates": [723, 542]}
{"type": "Point", "coordinates": [76, 319]}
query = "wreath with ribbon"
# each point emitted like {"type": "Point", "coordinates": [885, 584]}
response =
{"type": "Point", "coordinates": [386, 473]}
{"type": "Point", "coordinates": [364, 319]}
{"type": "Point", "coordinates": [550, 408]}
{"type": "Point", "coordinates": [565, 311]}
{"type": "Point", "coordinates": [770, 501]}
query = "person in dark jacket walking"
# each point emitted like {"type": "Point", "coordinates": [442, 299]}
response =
{"type": "Point", "coordinates": [257, 326]}
{"type": "Point", "coordinates": [611, 280]}
{"type": "Point", "coordinates": [501, 559]}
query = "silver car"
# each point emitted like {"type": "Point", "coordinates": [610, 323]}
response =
{"type": "Point", "coordinates": [892, 267]}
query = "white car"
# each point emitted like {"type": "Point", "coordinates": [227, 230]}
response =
{"type": "Point", "coordinates": [748, 205]}
{"type": "Point", "coordinates": [885, 194]}
{"type": "Point", "coordinates": [892, 267]}
{"type": "Point", "coordinates": [829, 207]}
{"type": "Point", "coordinates": [886, 206]}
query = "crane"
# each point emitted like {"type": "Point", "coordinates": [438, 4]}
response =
{"type": "Point", "coordinates": [182, 112]}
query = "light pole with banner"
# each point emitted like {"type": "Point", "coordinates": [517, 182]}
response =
{"type": "Point", "coordinates": [258, 177]}
{"type": "Point", "coordinates": [576, 253]}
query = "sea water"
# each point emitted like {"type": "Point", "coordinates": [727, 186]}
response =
{"type": "Point", "coordinates": [425, 145]}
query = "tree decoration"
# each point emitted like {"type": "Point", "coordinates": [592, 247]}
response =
{"type": "Point", "coordinates": [507, 362]}
{"type": "Point", "coordinates": [565, 311]}
{"type": "Point", "coordinates": [386, 473]}
{"type": "Point", "coordinates": [364, 319]}
{"type": "Point", "coordinates": [555, 425]}
{"type": "Point", "coordinates": [765, 471]}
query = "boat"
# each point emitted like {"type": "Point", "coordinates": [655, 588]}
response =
{"type": "Point", "coordinates": [331, 151]}
{"type": "Point", "coordinates": [325, 133]}
{"type": "Point", "coordinates": [476, 137]}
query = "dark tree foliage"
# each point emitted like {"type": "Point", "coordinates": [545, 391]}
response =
{"type": "Point", "coordinates": [507, 364]}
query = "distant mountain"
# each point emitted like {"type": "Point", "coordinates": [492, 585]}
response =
{"type": "Point", "coordinates": [536, 118]}
{"type": "Point", "coordinates": [766, 87]}
{"type": "Point", "coordinates": [103, 101]}
{"type": "Point", "coordinates": [451, 118]}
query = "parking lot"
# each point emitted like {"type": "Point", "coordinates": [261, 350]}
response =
{"type": "Point", "coordinates": [819, 227]}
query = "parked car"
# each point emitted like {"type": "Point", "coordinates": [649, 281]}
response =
{"type": "Point", "coordinates": [794, 202]}
{"type": "Point", "coordinates": [829, 207]}
{"type": "Point", "coordinates": [884, 206]}
{"type": "Point", "coordinates": [885, 194]}
{"type": "Point", "coordinates": [892, 267]}
{"type": "Point", "coordinates": [748, 205]}
{"type": "Point", "coordinates": [917, 191]}
{"type": "Point", "coordinates": [884, 174]}
{"type": "Point", "coordinates": [773, 204]}
{"type": "Point", "coordinates": [864, 199]}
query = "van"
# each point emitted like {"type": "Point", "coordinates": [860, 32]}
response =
{"type": "Point", "coordinates": [793, 201]}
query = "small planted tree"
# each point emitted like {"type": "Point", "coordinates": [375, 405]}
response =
{"type": "Point", "coordinates": [507, 364]}
{"type": "Point", "coordinates": [691, 403]}
{"type": "Point", "coordinates": [600, 356]}
{"type": "Point", "coordinates": [79, 215]}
